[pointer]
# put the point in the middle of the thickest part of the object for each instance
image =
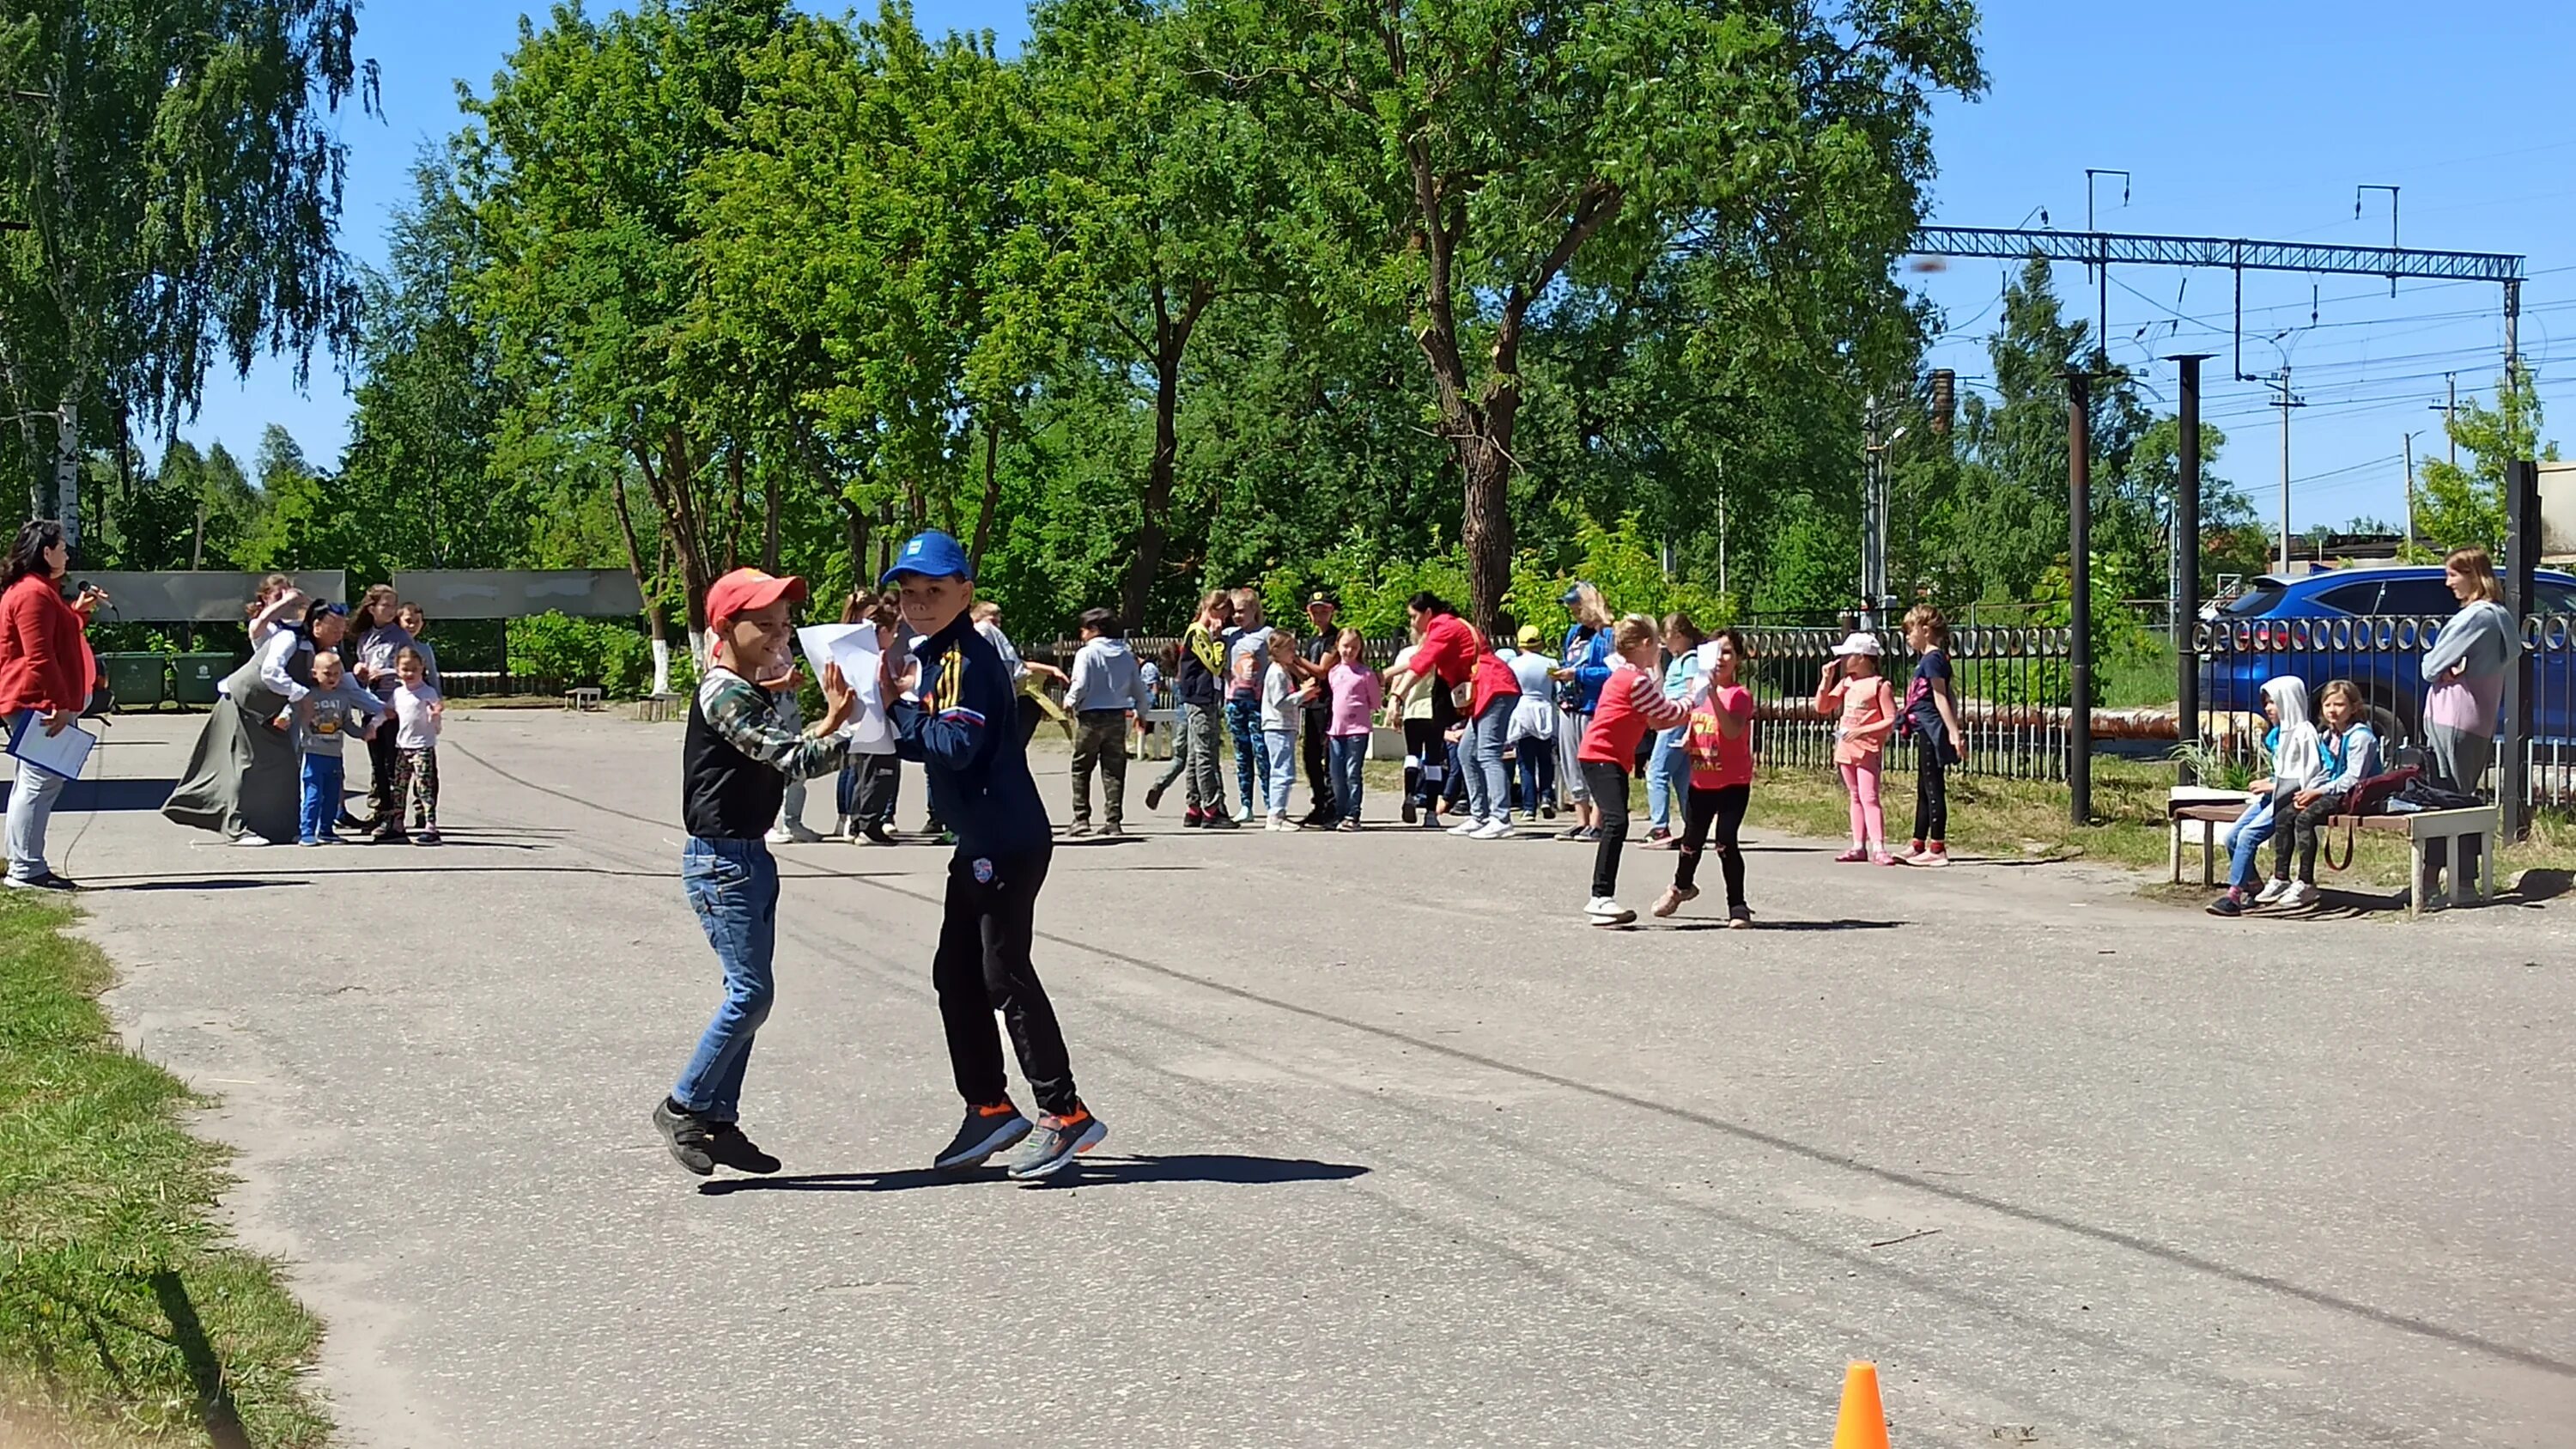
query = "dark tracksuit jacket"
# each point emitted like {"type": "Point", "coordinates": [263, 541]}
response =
{"type": "Point", "coordinates": [961, 726]}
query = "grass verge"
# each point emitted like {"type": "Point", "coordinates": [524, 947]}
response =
{"type": "Point", "coordinates": [127, 1314]}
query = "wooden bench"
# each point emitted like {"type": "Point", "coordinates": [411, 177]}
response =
{"type": "Point", "coordinates": [583, 698]}
{"type": "Point", "coordinates": [2422, 829]}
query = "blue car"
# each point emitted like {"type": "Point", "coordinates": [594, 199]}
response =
{"type": "Point", "coordinates": [2312, 627]}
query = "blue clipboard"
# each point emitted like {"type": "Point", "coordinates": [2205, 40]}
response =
{"type": "Point", "coordinates": [63, 754]}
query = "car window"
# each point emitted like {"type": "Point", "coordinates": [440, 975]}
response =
{"type": "Point", "coordinates": [2556, 598]}
{"type": "Point", "coordinates": [2262, 598]}
{"type": "Point", "coordinates": [2417, 596]}
{"type": "Point", "coordinates": [2358, 598]}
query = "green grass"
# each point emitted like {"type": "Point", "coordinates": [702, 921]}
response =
{"type": "Point", "coordinates": [127, 1316]}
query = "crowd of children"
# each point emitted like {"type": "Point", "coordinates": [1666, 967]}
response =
{"type": "Point", "coordinates": [1497, 735]}
{"type": "Point", "coordinates": [389, 699]}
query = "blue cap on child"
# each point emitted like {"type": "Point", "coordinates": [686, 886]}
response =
{"type": "Point", "coordinates": [931, 554]}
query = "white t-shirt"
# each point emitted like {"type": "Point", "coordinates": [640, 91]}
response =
{"type": "Point", "coordinates": [1534, 717]}
{"type": "Point", "coordinates": [416, 728]}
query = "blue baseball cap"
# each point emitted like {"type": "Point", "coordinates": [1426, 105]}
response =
{"type": "Point", "coordinates": [932, 554]}
{"type": "Point", "coordinates": [1573, 591]}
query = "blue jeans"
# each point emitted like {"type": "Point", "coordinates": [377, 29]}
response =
{"type": "Point", "coordinates": [1535, 757]}
{"type": "Point", "coordinates": [1349, 753]}
{"type": "Point", "coordinates": [734, 886]}
{"type": "Point", "coordinates": [2257, 827]}
{"type": "Point", "coordinates": [323, 775]}
{"type": "Point", "coordinates": [1489, 791]}
{"type": "Point", "coordinates": [1667, 777]}
{"type": "Point", "coordinates": [1251, 760]}
{"type": "Point", "coordinates": [1282, 768]}
{"type": "Point", "coordinates": [31, 806]}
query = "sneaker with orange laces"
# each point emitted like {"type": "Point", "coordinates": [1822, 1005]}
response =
{"type": "Point", "coordinates": [1056, 1142]}
{"type": "Point", "coordinates": [985, 1131]}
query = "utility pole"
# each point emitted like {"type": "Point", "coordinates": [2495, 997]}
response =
{"type": "Point", "coordinates": [2079, 578]}
{"type": "Point", "coordinates": [2101, 268]}
{"type": "Point", "coordinates": [2410, 493]}
{"type": "Point", "coordinates": [2449, 404]}
{"type": "Point", "coordinates": [2288, 401]}
{"type": "Point", "coordinates": [2186, 621]}
{"type": "Point", "coordinates": [1873, 516]}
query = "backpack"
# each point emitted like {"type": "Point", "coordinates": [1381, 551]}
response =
{"type": "Point", "coordinates": [2369, 797]}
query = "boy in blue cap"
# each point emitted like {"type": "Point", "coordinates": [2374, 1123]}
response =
{"type": "Point", "coordinates": [953, 710]}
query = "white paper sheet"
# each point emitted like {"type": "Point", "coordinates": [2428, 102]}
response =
{"type": "Point", "coordinates": [818, 639]}
{"type": "Point", "coordinates": [63, 754]}
{"type": "Point", "coordinates": [856, 654]}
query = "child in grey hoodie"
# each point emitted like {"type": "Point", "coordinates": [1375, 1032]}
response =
{"type": "Point", "coordinates": [1106, 688]}
{"type": "Point", "coordinates": [336, 707]}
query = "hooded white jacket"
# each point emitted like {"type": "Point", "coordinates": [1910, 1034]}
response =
{"type": "Point", "coordinates": [2299, 759]}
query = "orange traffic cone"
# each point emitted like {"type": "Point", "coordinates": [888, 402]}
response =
{"type": "Point", "coordinates": [1863, 1424]}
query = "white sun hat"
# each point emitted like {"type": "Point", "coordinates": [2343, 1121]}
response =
{"type": "Point", "coordinates": [1858, 643]}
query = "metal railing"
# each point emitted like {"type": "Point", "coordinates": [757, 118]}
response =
{"type": "Point", "coordinates": [2011, 686]}
{"type": "Point", "coordinates": [2382, 655]}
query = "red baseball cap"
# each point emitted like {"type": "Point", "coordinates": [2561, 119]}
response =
{"type": "Point", "coordinates": [744, 590]}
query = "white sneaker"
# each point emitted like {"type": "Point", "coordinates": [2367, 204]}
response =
{"type": "Point", "coordinates": [2272, 892]}
{"type": "Point", "coordinates": [792, 833]}
{"type": "Point", "coordinates": [1494, 829]}
{"type": "Point", "coordinates": [2300, 895]}
{"type": "Point", "coordinates": [1467, 827]}
{"type": "Point", "coordinates": [1603, 911]}
{"type": "Point", "coordinates": [1243, 816]}
{"type": "Point", "coordinates": [247, 839]}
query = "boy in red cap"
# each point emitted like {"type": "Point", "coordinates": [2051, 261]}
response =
{"type": "Point", "coordinates": [736, 761]}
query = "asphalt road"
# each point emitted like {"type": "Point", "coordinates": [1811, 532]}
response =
{"type": "Point", "coordinates": [1402, 1152]}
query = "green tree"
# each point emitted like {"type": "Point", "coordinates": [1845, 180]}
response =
{"type": "Point", "coordinates": [1461, 165]}
{"type": "Point", "coordinates": [2464, 507]}
{"type": "Point", "coordinates": [578, 165]}
{"type": "Point", "coordinates": [418, 469]}
{"type": "Point", "coordinates": [179, 168]}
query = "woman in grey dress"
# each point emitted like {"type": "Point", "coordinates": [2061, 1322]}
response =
{"type": "Point", "coordinates": [243, 779]}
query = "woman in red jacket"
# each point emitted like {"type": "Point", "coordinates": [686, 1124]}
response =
{"type": "Point", "coordinates": [45, 676]}
{"type": "Point", "coordinates": [1453, 653]}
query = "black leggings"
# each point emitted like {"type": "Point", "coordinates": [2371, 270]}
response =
{"type": "Point", "coordinates": [1425, 760]}
{"type": "Point", "coordinates": [2305, 826]}
{"type": "Point", "coordinates": [1931, 793]}
{"type": "Point", "coordinates": [1609, 787]}
{"type": "Point", "coordinates": [1723, 807]}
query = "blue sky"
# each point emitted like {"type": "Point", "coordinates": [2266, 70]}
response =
{"type": "Point", "coordinates": [2236, 119]}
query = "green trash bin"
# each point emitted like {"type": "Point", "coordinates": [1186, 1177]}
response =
{"type": "Point", "coordinates": [196, 676]}
{"type": "Point", "coordinates": [135, 679]}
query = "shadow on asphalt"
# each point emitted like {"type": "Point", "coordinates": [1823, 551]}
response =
{"type": "Point", "coordinates": [109, 795]}
{"type": "Point", "coordinates": [1223, 1167]}
{"type": "Point", "coordinates": [1833, 925]}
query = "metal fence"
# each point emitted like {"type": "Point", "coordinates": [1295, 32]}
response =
{"type": "Point", "coordinates": [2383, 656]}
{"type": "Point", "coordinates": [2011, 685]}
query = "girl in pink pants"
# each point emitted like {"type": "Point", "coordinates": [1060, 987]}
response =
{"type": "Point", "coordinates": [1853, 693]}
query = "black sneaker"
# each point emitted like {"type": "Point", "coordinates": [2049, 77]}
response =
{"type": "Point", "coordinates": [2230, 904]}
{"type": "Point", "coordinates": [49, 881]}
{"type": "Point", "coordinates": [428, 836]}
{"type": "Point", "coordinates": [875, 833]}
{"type": "Point", "coordinates": [727, 1145]}
{"type": "Point", "coordinates": [1055, 1142]}
{"type": "Point", "coordinates": [1153, 797]}
{"type": "Point", "coordinates": [1411, 810]}
{"type": "Point", "coordinates": [1739, 917]}
{"type": "Point", "coordinates": [1220, 821]}
{"type": "Point", "coordinates": [985, 1131]}
{"type": "Point", "coordinates": [686, 1134]}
